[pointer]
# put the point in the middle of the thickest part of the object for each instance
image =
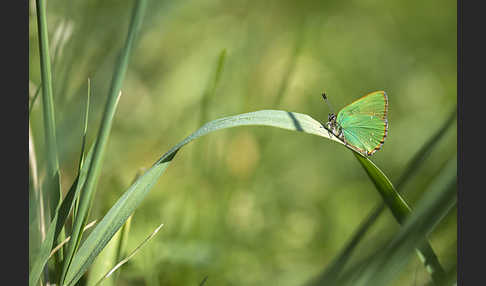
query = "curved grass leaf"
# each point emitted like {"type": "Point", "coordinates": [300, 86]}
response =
{"type": "Point", "coordinates": [125, 206]}
{"type": "Point", "coordinates": [130, 200]}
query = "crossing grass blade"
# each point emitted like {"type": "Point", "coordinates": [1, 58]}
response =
{"type": "Point", "coordinates": [88, 226]}
{"type": "Point", "coordinates": [204, 281]}
{"type": "Point", "coordinates": [111, 254]}
{"type": "Point", "coordinates": [130, 200]}
{"type": "Point", "coordinates": [94, 170]}
{"type": "Point", "coordinates": [135, 251]}
{"type": "Point", "coordinates": [425, 150]}
{"type": "Point", "coordinates": [105, 261]}
{"type": "Point", "coordinates": [122, 243]}
{"type": "Point", "coordinates": [332, 272]}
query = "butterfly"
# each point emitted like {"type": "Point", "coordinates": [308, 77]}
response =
{"type": "Point", "coordinates": [361, 125]}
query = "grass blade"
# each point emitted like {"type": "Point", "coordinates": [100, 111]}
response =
{"type": "Point", "coordinates": [332, 272]}
{"type": "Point", "coordinates": [401, 211]}
{"type": "Point", "coordinates": [424, 152]}
{"type": "Point", "coordinates": [130, 200]}
{"type": "Point", "coordinates": [57, 223]}
{"type": "Point", "coordinates": [111, 254]}
{"type": "Point", "coordinates": [52, 183]}
{"type": "Point", "coordinates": [103, 134]}
{"type": "Point", "coordinates": [212, 85]}
{"type": "Point", "coordinates": [386, 263]}
{"type": "Point", "coordinates": [204, 281]}
{"type": "Point", "coordinates": [36, 95]}
{"type": "Point", "coordinates": [398, 206]}
{"type": "Point", "coordinates": [83, 147]}
{"type": "Point", "coordinates": [300, 41]}
{"type": "Point", "coordinates": [34, 184]}
{"type": "Point", "coordinates": [89, 225]}
{"type": "Point", "coordinates": [135, 251]}
{"type": "Point", "coordinates": [36, 206]}
{"type": "Point", "coordinates": [122, 242]}
{"type": "Point", "coordinates": [62, 212]}
{"type": "Point", "coordinates": [53, 180]}
{"type": "Point", "coordinates": [206, 98]}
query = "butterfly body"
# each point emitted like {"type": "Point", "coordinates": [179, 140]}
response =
{"type": "Point", "coordinates": [363, 124]}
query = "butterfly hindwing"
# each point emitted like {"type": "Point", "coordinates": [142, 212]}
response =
{"type": "Point", "coordinates": [364, 122]}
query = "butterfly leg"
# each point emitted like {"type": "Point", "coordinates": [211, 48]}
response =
{"type": "Point", "coordinates": [328, 125]}
{"type": "Point", "coordinates": [340, 133]}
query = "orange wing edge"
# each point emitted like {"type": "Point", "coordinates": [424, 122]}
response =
{"type": "Point", "coordinates": [385, 117]}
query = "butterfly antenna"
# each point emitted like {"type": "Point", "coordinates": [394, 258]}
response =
{"type": "Point", "coordinates": [328, 104]}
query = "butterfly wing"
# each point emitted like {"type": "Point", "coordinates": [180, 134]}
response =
{"type": "Point", "coordinates": [364, 122]}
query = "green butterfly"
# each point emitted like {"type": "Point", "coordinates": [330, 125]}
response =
{"type": "Point", "coordinates": [363, 124]}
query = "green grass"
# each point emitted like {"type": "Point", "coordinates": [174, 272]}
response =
{"type": "Point", "coordinates": [253, 205]}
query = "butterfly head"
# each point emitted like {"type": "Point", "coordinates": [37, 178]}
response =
{"type": "Point", "coordinates": [331, 120]}
{"type": "Point", "coordinates": [331, 117]}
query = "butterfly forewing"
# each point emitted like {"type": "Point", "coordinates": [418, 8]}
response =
{"type": "Point", "coordinates": [364, 122]}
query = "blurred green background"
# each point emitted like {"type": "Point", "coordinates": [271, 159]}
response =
{"type": "Point", "coordinates": [252, 205]}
